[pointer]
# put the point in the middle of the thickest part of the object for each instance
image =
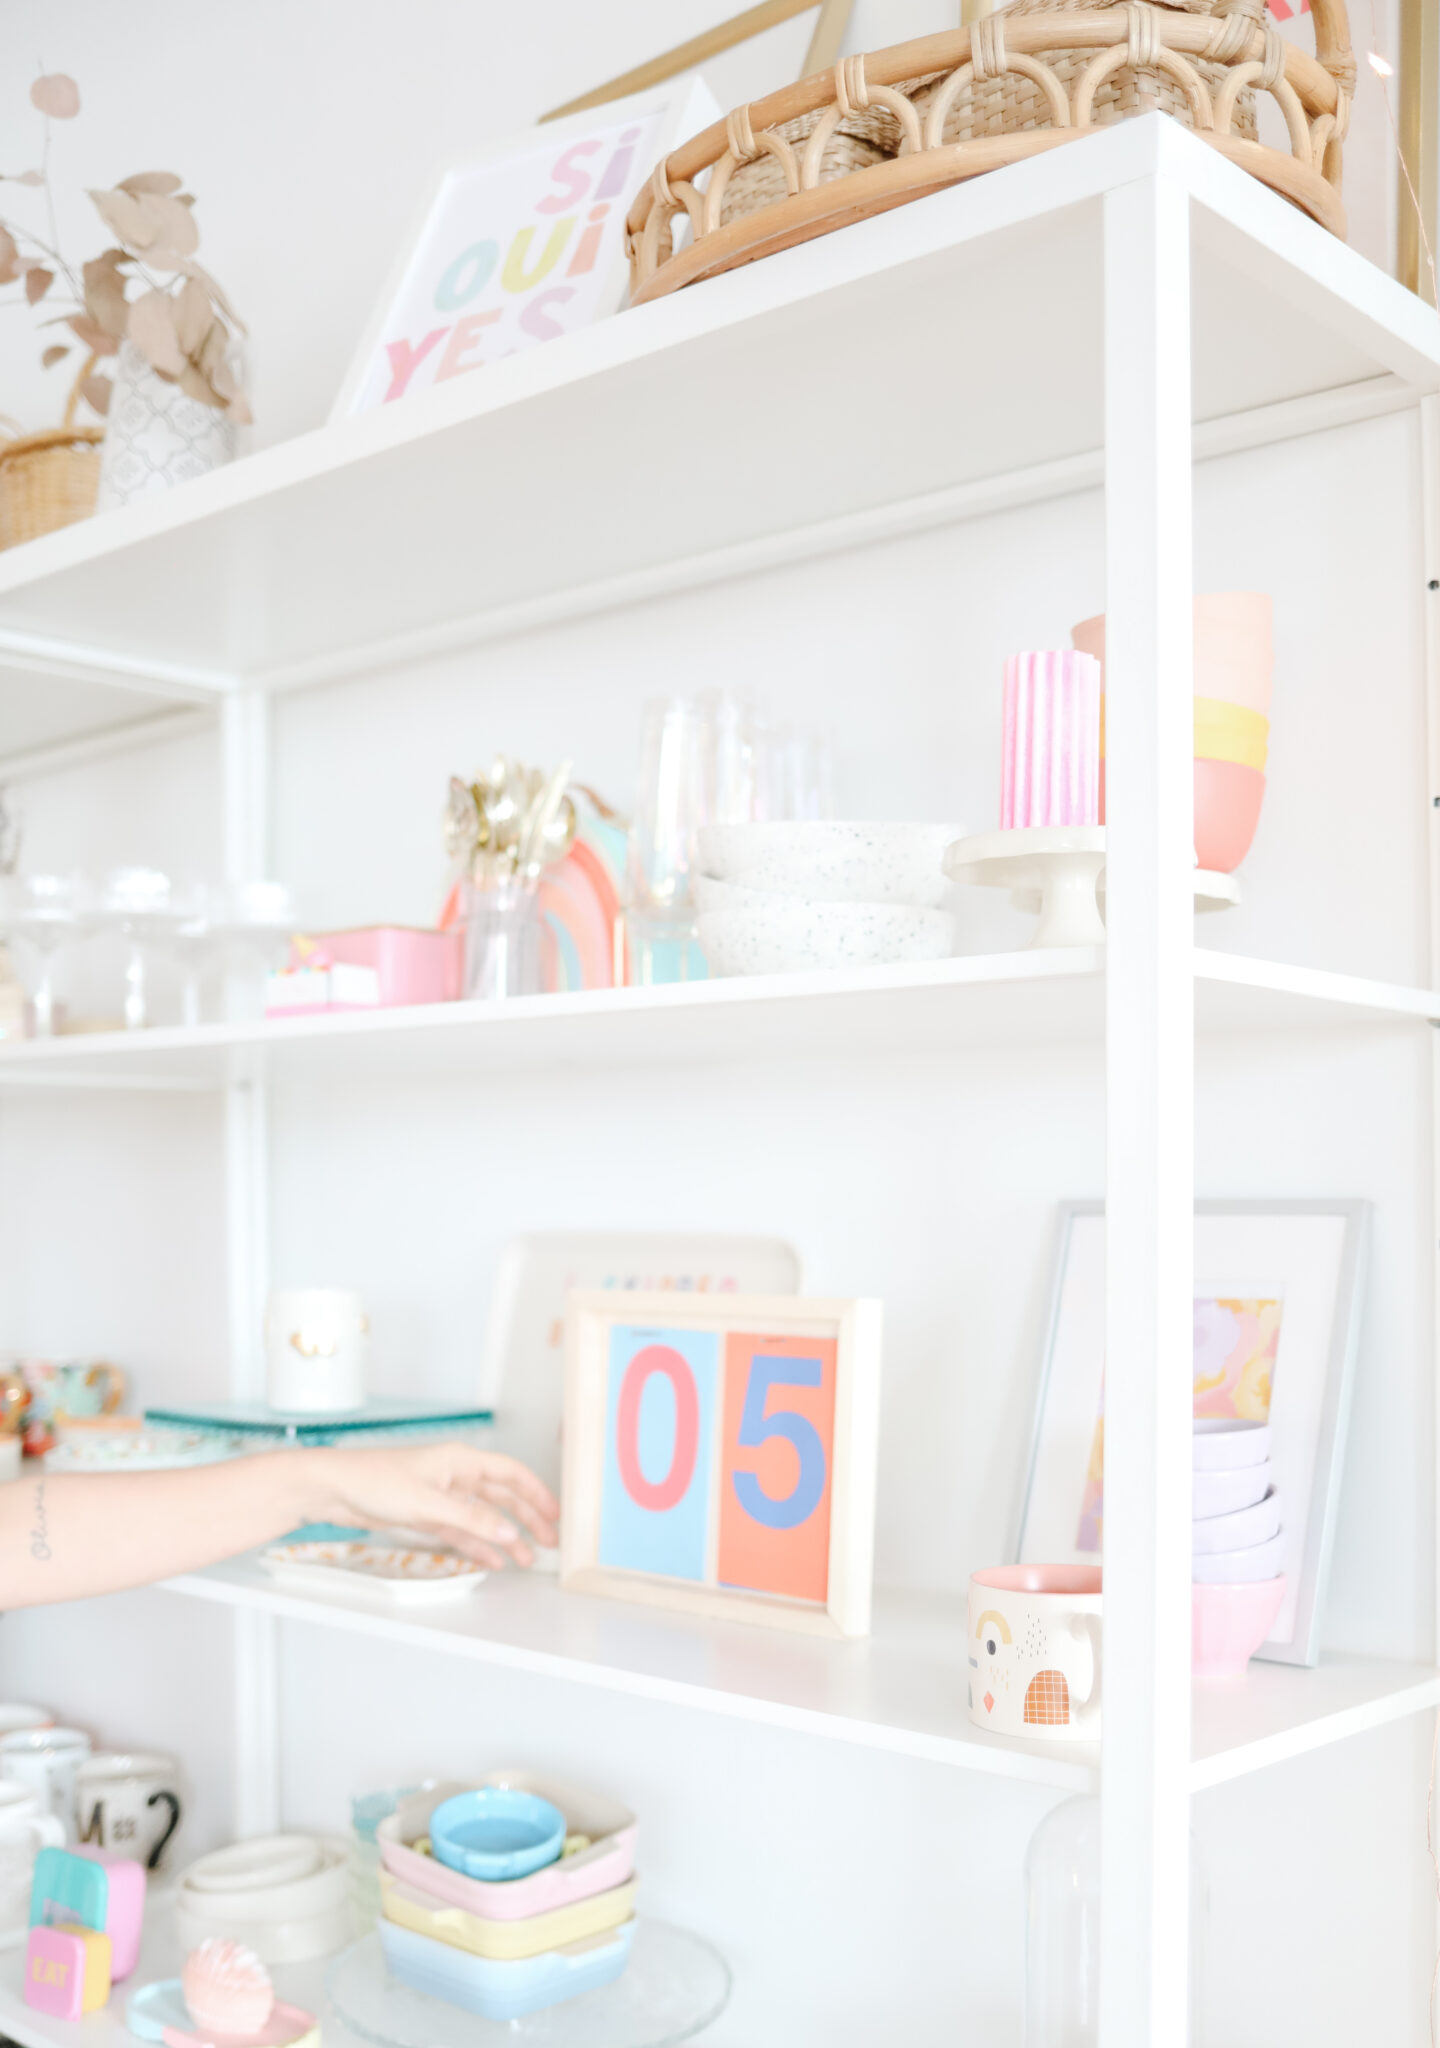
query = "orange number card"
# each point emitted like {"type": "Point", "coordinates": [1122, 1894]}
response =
{"type": "Point", "coordinates": [775, 1465]}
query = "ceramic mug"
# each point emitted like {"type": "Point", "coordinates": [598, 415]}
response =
{"type": "Point", "coordinates": [14, 1718]}
{"type": "Point", "coordinates": [1033, 1651]}
{"type": "Point", "coordinates": [128, 1803]}
{"type": "Point", "coordinates": [21, 1811]}
{"type": "Point", "coordinates": [46, 1760]}
{"type": "Point", "coordinates": [23, 1830]}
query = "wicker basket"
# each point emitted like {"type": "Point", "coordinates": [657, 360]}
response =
{"type": "Point", "coordinates": [47, 480]}
{"type": "Point", "coordinates": [860, 140]}
{"type": "Point", "coordinates": [1011, 102]}
{"type": "Point", "coordinates": [1037, 74]}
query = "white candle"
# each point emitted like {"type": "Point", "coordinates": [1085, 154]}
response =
{"type": "Point", "coordinates": [316, 1339]}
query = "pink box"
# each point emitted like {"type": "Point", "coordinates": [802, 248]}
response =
{"type": "Point", "coordinates": [1050, 751]}
{"type": "Point", "coordinates": [125, 1907]}
{"type": "Point", "coordinates": [414, 966]}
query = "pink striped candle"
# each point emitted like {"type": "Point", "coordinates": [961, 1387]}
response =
{"type": "Point", "coordinates": [1050, 753]}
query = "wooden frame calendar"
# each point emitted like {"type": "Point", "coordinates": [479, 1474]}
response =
{"type": "Point", "coordinates": [720, 1455]}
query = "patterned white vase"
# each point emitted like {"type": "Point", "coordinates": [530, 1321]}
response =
{"type": "Point", "coordinates": [156, 435]}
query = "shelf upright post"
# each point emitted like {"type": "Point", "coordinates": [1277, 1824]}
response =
{"type": "Point", "coordinates": [1430, 572]}
{"type": "Point", "coordinates": [244, 734]}
{"type": "Point", "coordinates": [1149, 1054]}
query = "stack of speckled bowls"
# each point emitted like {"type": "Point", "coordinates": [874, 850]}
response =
{"type": "Point", "coordinates": [507, 1896]}
{"type": "Point", "coordinates": [799, 895]}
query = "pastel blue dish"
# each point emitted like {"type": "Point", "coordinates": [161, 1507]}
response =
{"type": "Point", "coordinates": [496, 1833]}
{"type": "Point", "coordinates": [504, 1991]}
{"type": "Point", "coordinates": [154, 2007]}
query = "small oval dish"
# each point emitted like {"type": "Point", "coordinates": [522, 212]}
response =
{"type": "Point", "coordinates": [497, 1833]}
{"type": "Point", "coordinates": [158, 2012]}
{"type": "Point", "coordinates": [401, 1575]}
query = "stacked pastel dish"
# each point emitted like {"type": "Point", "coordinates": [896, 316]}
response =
{"type": "Point", "coordinates": [1234, 662]}
{"type": "Point", "coordinates": [1237, 1546]}
{"type": "Point", "coordinates": [794, 896]}
{"type": "Point", "coordinates": [508, 1896]}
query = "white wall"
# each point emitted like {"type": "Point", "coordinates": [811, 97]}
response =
{"type": "Point", "coordinates": [930, 1181]}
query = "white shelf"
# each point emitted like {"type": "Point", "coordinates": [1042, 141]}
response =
{"type": "Point", "coordinates": [979, 999]}
{"type": "Point", "coordinates": [369, 541]}
{"type": "Point", "coordinates": [901, 1691]}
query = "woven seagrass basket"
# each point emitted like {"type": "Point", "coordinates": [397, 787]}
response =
{"type": "Point", "coordinates": [47, 480]}
{"type": "Point", "coordinates": [1037, 74]}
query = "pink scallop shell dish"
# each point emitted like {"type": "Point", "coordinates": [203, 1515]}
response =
{"type": "Point", "coordinates": [1050, 749]}
{"type": "Point", "coordinates": [227, 1988]}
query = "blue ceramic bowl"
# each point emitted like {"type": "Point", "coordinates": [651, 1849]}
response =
{"type": "Point", "coordinates": [497, 1833]}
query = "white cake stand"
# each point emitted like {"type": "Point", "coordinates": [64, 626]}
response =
{"type": "Point", "coordinates": [1059, 872]}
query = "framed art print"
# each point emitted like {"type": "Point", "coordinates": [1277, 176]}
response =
{"type": "Point", "coordinates": [520, 243]}
{"type": "Point", "coordinates": [720, 1455]}
{"type": "Point", "coordinates": [1278, 1293]}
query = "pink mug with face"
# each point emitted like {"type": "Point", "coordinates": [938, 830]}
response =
{"type": "Point", "coordinates": [1032, 1646]}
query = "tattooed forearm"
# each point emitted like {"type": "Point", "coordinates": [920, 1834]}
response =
{"type": "Point", "coordinates": [40, 1534]}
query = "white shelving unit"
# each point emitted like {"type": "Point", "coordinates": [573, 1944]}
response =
{"type": "Point", "coordinates": [1202, 317]}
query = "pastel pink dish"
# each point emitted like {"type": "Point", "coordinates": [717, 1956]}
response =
{"type": "Point", "coordinates": [1050, 745]}
{"type": "Point", "coordinates": [289, 2026]}
{"type": "Point", "coordinates": [227, 1988]}
{"type": "Point", "coordinates": [1234, 646]}
{"type": "Point", "coordinates": [1228, 796]}
{"type": "Point", "coordinates": [125, 1907]}
{"type": "Point", "coordinates": [413, 966]}
{"type": "Point", "coordinates": [609, 1861]}
{"type": "Point", "coordinates": [1229, 1623]}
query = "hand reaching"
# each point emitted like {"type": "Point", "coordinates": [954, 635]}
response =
{"type": "Point", "coordinates": [478, 1502]}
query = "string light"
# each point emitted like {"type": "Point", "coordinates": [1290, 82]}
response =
{"type": "Point", "coordinates": [1380, 64]}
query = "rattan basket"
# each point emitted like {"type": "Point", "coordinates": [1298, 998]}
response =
{"type": "Point", "coordinates": [47, 480]}
{"type": "Point", "coordinates": [1036, 74]}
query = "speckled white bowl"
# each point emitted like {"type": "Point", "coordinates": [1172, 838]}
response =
{"type": "Point", "coordinates": [711, 894]}
{"type": "Point", "coordinates": [790, 937]}
{"type": "Point", "coordinates": [832, 861]}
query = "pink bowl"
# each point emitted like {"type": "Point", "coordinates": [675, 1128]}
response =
{"type": "Point", "coordinates": [1228, 797]}
{"type": "Point", "coordinates": [1227, 810]}
{"type": "Point", "coordinates": [1229, 1623]}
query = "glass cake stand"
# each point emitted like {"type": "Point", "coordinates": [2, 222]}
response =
{"type": "Point", "coordinates": [674, 1986]}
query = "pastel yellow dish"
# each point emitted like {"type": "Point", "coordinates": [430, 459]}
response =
{"type": "Point", "coordinates": [505, 1941]}
{"type": "Point", "coordinates": [1223, 732]}
{"type": "Point", "coordinates": [1230, 732]}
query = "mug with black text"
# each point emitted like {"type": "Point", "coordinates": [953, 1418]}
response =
{"type": "Point", "coordinates": [128, 1804]}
